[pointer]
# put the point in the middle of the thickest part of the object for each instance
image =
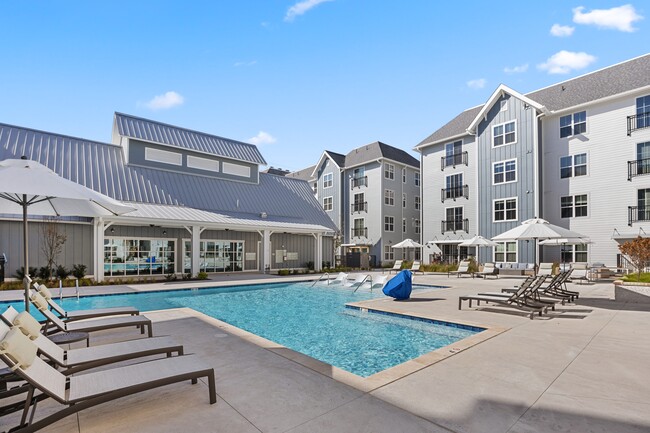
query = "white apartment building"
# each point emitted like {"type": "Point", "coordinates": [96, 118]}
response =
{"type": "Point", "coordinates": [576, 153]}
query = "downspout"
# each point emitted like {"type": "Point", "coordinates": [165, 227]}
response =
{"type": "Point", "coordinates": [538, 173]}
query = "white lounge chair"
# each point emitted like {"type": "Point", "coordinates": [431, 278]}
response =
{"type": "Point", "coordinates": [545, 269]}
{"type": "Point", "coordinates": [580, 272]}
{"type": "Point", "coordinates": [416, 267]}
{"type": "Point", "coordinates": [397, 266]}
{"type": "Point", "coordinates": [463, 269]}
{"type": "Point", "coordinates": [341, 278]}
{"type": "Point", "coordinates": [379, 282]}
{"type": "Point", "coordinates": [83, 314]}
{"type": "Point", "coordinates": [488, 270]}
{"type": "Point", "coordinates": [359, 280]}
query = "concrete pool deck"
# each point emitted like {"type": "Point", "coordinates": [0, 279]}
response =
{"type": "Point", "coordinates": [582, 368]}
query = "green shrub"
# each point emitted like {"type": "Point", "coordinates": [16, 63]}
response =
{"type": "Point", "coordinates": [283, 272]}
{"type": "Point", "coordinates": [62, 272]}
{"type": "Point", "coordinates": [202, 275]}
{"type": "Point", "coordinates": [170, 277]}
{"type": "Point", "coordinates": [634, 278]}
{"type": "Point", "coordinates": [20, 273]}
{"type": "Point", "coordinates": [79, 271]}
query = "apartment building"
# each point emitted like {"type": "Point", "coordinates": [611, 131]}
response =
{"type": "Point", "coordinates": [372, 194]}
{"type": "Point", "coordinates": [576, 153]}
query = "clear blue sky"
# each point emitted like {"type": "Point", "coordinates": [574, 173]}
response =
{"type": "Point", "coordinates": [302, 76]}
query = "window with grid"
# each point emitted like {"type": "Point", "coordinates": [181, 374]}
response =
{"type": "Point", "coordinates": [417, 202]}
{"type": "Point", "coordinates": [328, 180]}
{"type": "Point", "coordinates": [388, 252]}
{"type": "Point", "coordinates": [573, 206]}
{"type": "Point", "coordinates": [403, 225]}
{"type": "Point", "coordinates": [453, 153]}
{"type": "Point", "coordinates": [573, 124]}
{"type": "Point", "coordinates": [359, 202]}
{"type": "Point", "coordinates": [454, 219]}
{"type": "Point", "coordinates": [404, 175]}
{"type": "Point", "coordinates": [416, 225]}
{"type": "Point", "coordinates": [417, 178]}
{"type": "Point", "coordinates": [503, 134]}
{"type": "Point", "coordinates": [574, 253]}
{"type": "Point", "coordinates": [328, 204]}
{"type": "Point", "coordinates": [389, 197]}
{"type": "Point", "coordinates": [389, 224]}
{"type": "Point", "coordinates": [454, 185]}
{"type": "Point", "coordinates": [573, 165]}
{"type": "Point", "coordinates": [359, 227]}
{"type": "Point", "coordinates": [505, 171]}
{"type": "Point", "coordinates": [389, 171]}
{"type": "Point", "coordinates": [404, 199]}
{"type": "Point", "coordinates": [505, 209]}
{"type": "Point", "coordinates": [643, 111]}
{"type": "Point", "coordinates": [506, 252]}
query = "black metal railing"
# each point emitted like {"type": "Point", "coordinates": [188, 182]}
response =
{"type": "Point", "coordinates": [453, 160]}
{"type": "Point", "coordinates": [359, 181]}
{"type": "Point", "coordinates": [359, 207]}
{"type": "Point", "coordinates": [637, 213]}
{"type": "Point", "coordinates": [638, 168]}
{"type": "Point", "coordinates": [638, 121]}
{"type": "Point", "coordinates": [454, 226]}
{"type": "Point", "coordinates": [454, 192]}
{"type": "Point", "coordinates": [363, 232]}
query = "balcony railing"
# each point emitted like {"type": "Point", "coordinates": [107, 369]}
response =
{"type": "Point", "coordinates": [454, 226]}
{"type": "Point", "coordinates": [359, 207]}
{"type": "Point", "coordinates": [453, 160]}
{"type": "Point", "coordinates": [359, 181]}
{"type": "Point", "coordinates": [360, 232]}
{"type": "Point", "coordinates": [638, 168]}
{"type": "Point", "coordinates": [454, 192]}
{"type": "Point", "coordinates": [637, 213]}
{"type": "Point", "coordinates": [638, 121]}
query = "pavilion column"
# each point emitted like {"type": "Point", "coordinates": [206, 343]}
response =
{"type": "Point", "coordinates": [318, 257]}
{"type": "Point", "coordinates": [99, 249]}
{"type": "Point", "coordinates": [196, 250]}
{"type": "Point", "coordinates": [266, 248]}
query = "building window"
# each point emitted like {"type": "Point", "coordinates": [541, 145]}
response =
{"type": "Point", "coordinates": [315, 187]}
{"type": "Point", "coordinates": [328, 204]}
{"type": "Point", "coordinates": [359, 227]}
{"type": "Point", "coordinates": [573, 165]}
{"type": "Point", "coordinates": [574, 253]}
{"type": "Point", "coordinates": [127, 256]}
{"type": "Point", "coordinates": [404, 199]}
{"type": "Point", "coordinates": [503, 106]}
{"type": "Point", "coordinates": [504, 171]}
{"type": "Point", "coordinates": [359, 203]}
{"type": "Point", "coordinates": [389, 197]}
{"type": "Point", "coordinates": [643, 112]}
{"type": "Point", "coordinates": [416, 224]}
{"type": "Point", "coordinates": [403, 225]}
{"type": "Point", "coordinates": [328, 180]}
{"type": "Point", "coordinates": [454, 221]}
{"type": "Point", "coordinates": [389, 224]}
{"type": "Point", "coordinates": [505, 209]}
{"type": "Point", "coordinates": [643, 205]}
{"type": "Point", "coordinates": [506, 252]}
{"type": "Point", "coordinates": [404, 175]}
{"type": "Point", "coordinates": [417, 202]}
{"type": "Point", "coordinates": [417, 178]}
{"type": "Point", "coordinates": [388, 253]}
{"type": "Point", "coordinates": [573, 124]}
{"type": "Point", "coordinates": [359, 177]}
{"type": "Point", "coordinates": [454, 185]}
{"type": "Point", "coordinates": [573, 206]}
{"type": "Point", "coordinates": [389, 171]}
{"type": "Point", "coordinates": [503, 134]}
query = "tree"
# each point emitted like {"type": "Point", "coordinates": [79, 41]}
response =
{"type": "Point", "coordinates": [638, 250]}
{"type": "Point", "coordinates": [52, 242]}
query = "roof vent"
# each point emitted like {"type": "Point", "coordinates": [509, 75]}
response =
{"type": "Point", "coordinates": [263, 215]}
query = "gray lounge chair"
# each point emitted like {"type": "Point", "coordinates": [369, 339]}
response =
{"type": "Point", "coordinates": [515, 300]}
{"type": "Point", "coordinates": [91, 325]}
{"type": "Point", "coordinates": [92, 388]}
{"type": "Point", "coordinates": [580, 272]}
{"type": "Point", "coordinates": [416, 267]}
{"type": "Point", "coordinates": [397, 266]}
{"type": "Point", "coordinates": [463, 269]}
{"type": "Point", "coordinates": [489, 270]}
{"type": "Point", "coordinates": [545, 269]}
{"type": "Point", "coordinates": [84, 314]}
{"type": "Point", "coordinates": [75, 360]}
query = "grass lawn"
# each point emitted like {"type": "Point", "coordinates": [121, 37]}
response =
{"type": "Point", "coordinates": [645, 278]}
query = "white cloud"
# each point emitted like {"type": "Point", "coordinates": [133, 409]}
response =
{"type": "Point", "coordinates": [251, 63]}
{"type": "Point", "coordinates": [516, 69]}
{"type": "Point", "coordinates": [262, 138]}
{"type": "Point", "coordinates": [562, 31]}
{"type": "Point", "coordinates": [564, 62]}
{"type": "Point", "coordinates": [301, 8]}
{"type": "Point", "coordinates": [477, 84]}
{"type": "Point", "coordinates": [618, 18]}
{"type": "Point", "coordinates": [163, 102]}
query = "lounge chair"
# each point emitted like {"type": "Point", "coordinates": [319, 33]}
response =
{"type": "Point", "coordinates": [90, 389]}
{"type": "Point", "coordinates": [545, 269]}
{"type": "Point", "coordinates": [74, 360]}
{"type": "Point", "coordinates": [379, 282]}
{"type": "Point", "coordinates": [91, 325]}
{"type": "Point", "coordinates": [359, 280]}
{"type": "Point", "coordinates": [83, 314]}
{"type": "Point", "coordinates": [489, 270]}
{"type": "Point", "coordinates": [531, 294]}
{"type": "Point", "coordinates": [416, 267]}
{"type": "Point", "coordinates": [397, 266]}
{"type": "Point", "coordinates": [580, 272]}
{"type": "Point", "coordinates": [463, 269]}
{"type": "Point", "coordinates": [515, 300]}
{"type": "Point", "coordinates": [341, 278]}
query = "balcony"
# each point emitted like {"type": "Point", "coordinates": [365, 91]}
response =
{"type": "Point", "coordinates": [454, 226]}
{"type": "Point", "coordinates": [637, 213]}
{"type": "Point", "coordinates": [638, 168]}
{"type": "Point", "coordinates": [359, 207]}
{"type": "Point", "coordinates": [360, 232]}
{"type": "Point", "coordinates": [453, 160]}
{"type": "Point", "coordinates": [454, 192]}
{"type": "Point", "coordinates": [638, 121]}
{"type": "Point", "coordinates": [359, 181]}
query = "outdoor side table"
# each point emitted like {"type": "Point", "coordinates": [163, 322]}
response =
{"type": "Point", "coordinates": [70, 337]}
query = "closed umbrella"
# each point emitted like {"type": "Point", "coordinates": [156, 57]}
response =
{"type": "Point", "coordinates": [537, 229]}
{"type": "Point", "coordinates": [27, 184]}
{"type": "Point", "coordinates": [408, 243]}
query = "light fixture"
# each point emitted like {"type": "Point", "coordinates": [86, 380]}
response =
{"type": "Point", "coordinates": [112, 230]}
{"type": "Point", "coordinates": [164, 232]}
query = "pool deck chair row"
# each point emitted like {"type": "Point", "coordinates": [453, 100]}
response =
{"type": "Point", "coordinates": [517, 300]}
{"type": "Point", "coordinates": [80, 392]}
{"type": "Point", "coordinates": [82, 314]}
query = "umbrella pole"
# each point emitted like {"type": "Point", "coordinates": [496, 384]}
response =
{"type": "Point", "coordinates": [25, 252]}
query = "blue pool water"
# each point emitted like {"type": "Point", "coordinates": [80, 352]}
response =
{"type": "Point", "coordinates": [310, 320]}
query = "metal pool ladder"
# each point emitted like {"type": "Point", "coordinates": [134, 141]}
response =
{"type": "Point", "coordinates": [364, 282]}
{"type": "Point", "coordinates": [321, 277]}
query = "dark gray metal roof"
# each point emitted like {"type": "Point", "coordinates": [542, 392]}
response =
{"type": "Point", "coordinates": [377, 150]}
{"type": "Point", "coordinates": [101, 167]}
{"type": "Point", "coordinates": [304, 174]}
{"type": "Point", "coordinates": [610, 81]}
{"type": "Point", "coordinates": [338, 158]}
{"type": "Point", "coordinates": [149, 130]}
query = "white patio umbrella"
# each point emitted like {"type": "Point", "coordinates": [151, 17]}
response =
{"type": "Point", "coordinates": [537, 229]}
{"type": "Point", "coordinates": [408, 243]}
{"type": "Point", "coordinates": [564, 241]}
{"type": "Point", "coordinates": [28, 184]}
{"type": "Point", "coordinates": [478, 241]}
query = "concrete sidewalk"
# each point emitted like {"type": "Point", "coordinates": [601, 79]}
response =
{"type": "Point", "coordinates": [582, 368]}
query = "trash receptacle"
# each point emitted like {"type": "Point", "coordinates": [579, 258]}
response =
{"type": "Point", "coordinates": [3, 260]}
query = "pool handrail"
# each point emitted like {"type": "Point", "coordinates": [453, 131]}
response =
{"type": "Point", "coordinates": [364, 282]}
{"type": "Point", "coordinates": [321, 277]}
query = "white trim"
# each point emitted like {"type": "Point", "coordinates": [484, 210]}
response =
{"type": "Point", "coordinates": [331, 181]}
{"type": "Point", "coordinates": [573, 206]}
{"type": "Point", "coordinates": [319, 163]}
{"type": "Point", "coordinates": [573, 165]}
{"type": "Point", "coordinates": [572, 135]}
{"type": "Point", "coordinates": [505, 210]}
{"type": "Point", "coordinates": [505, 252]}
{"type": "Point", "coordinates": [331, 203]}
{"type": "Point", "coordinates": [503, 105]}
{"type": "Point", "coordinates": [385, 169]}
{"type": "Point", "coordinates": [385, 191]}
{"type": "Point", "coordinates": [163, 156]}
{"type": "Point", "coordinates": [514, 121]}
{"type": "Point", "coordinates": [462, 135]}
{"type": "Point", "coordinates": [504, 171]}
{"type": "Point", "coordinates": [389, 231]}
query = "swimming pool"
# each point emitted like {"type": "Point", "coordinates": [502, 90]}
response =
{"type": "Point", "coordinates": [310, 320]}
